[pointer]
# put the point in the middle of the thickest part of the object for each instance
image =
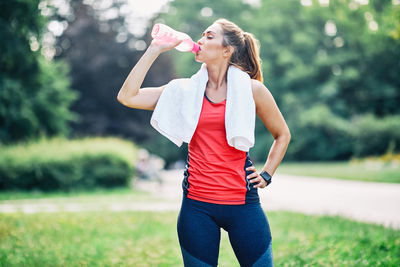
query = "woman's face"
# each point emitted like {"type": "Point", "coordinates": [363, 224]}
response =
{"type": "Point", "coordinates": [211, 49]}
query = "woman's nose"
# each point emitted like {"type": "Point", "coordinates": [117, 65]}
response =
{"type": "Point", "coordinates": [200, 41]}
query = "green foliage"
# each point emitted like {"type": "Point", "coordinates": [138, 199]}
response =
{"type": "Point", "coordinates": [320, 133]}
{"type": "Point", "coordinates": [60, 164]}
{"type": "Point", "coordinates": [35, 94]}
{"type": "Point", "coordinates": [28, 116]}
{"type": "Point", "coordinates": [100, 62]}
{"type": "Point", "coordinates": [333, 138]}
{"type": "Point", "coordinates": [149, 239]}
{"type": "Point", "coordinates": [374, 135]}
{"type": "Point", "coordinates": [55, 97]}
{"type": "Point", "coordinates": [20, 20]}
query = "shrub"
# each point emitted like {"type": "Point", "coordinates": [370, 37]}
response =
{"type": "Point", "coordinates": [375, 136]}
{"type": "Point", "coordinates": [318, 134]}
{"type": "Point", "coordinates": [61, 164]}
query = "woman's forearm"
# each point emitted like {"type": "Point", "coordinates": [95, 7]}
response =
{"type": "Point", "coordinates": [276, 154]}
{"type": "Point", "coordinates": [135, 78]}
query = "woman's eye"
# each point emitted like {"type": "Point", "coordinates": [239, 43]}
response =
{"type": "Point", "coordinates": [208, 37]}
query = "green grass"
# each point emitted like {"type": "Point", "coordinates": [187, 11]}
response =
{"type": "Point", "coordinates": [100, 196]}
{"type": "Point", "coordinates": [150, 239]}
{"type": "Point", "coordinates": [367, 171]}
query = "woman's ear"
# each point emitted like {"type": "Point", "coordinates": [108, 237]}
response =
{"type": "Point", "coordinates": [228, 51]}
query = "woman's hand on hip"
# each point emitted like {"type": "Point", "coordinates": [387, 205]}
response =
{"type": "Point", "coordinates": [255, 177]}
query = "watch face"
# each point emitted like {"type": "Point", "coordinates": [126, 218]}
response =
{"type": "Point", "coordinates": [266, 177]}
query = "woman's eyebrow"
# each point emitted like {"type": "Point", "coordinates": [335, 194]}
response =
{"type": "Point", "coordinates": [207, 32]}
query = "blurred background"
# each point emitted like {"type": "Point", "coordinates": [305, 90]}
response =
{"type": "Point", "coordinates": [333, 68]}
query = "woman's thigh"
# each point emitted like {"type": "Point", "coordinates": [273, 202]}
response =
{"type": "Point", "coordinates": [250, 236]}
{"type": "Point", "coordinates": [199, 235]}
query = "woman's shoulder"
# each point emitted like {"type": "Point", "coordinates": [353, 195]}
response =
{"type": "Point", "coordinates": [261, 95]}
{"type": "Point", "coordinates": [257, 87]}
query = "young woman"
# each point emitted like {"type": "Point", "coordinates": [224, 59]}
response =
{"type": "Point", "coordinates": [220, 182]}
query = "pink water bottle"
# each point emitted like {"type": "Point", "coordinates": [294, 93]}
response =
{"type": "Point", "coordinates": [163, 32]}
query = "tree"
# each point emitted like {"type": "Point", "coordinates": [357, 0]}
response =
{"type": "Point", "coordinates": [34, 93]}
{"type": "Point", "coordinates": [101, 52]}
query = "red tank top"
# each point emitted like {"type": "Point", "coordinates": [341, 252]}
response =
{"type": "Point", "coordinates": [215, 171]}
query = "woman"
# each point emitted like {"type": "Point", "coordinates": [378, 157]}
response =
{"type": "Point", "coordinates": [212, 199]}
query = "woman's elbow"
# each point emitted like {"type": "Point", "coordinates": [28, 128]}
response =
{"type": "Point", "coordinates": [121, 98]}
{"type": "Point", "coordinates": [284, 135]}
{"type": "Point", "coordinates": [288, 135]}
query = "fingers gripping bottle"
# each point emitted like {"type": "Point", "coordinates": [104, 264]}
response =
{"type": "Point", "coordinates": [163, 32]}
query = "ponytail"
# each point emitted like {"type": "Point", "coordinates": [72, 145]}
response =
{"type": "Point", "coordinates": [252, 58]}
{"type": "Point", "coordinates": [246, 55]}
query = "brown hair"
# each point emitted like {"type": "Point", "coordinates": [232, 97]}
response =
{"type": "Point", "coordinates": [246, 55]}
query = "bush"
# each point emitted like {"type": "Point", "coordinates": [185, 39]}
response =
{"type": "Point", "coordinates": [375, 136]}
{"type": "Point", "coordinates": [61, 164]}
{"type": "Point", "coordinates": [318, 134]}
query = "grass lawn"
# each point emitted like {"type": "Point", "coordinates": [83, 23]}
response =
{"type": "Point", "coordinates": [365, 171]}
{"type": "Point", "coordinates": [99, 196]}
{"type": "Point", "coordinates": [150, 239]}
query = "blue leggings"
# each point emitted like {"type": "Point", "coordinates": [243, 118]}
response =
{"type": "Point", "coordinates": [199, 232]}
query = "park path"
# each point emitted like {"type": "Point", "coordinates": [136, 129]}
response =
{"type": "Point", "coordinates": [362, 201]}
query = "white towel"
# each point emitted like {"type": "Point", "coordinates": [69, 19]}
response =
{"type": "Point", "coordinates": [178, 109]}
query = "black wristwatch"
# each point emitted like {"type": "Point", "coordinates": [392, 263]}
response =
{"type": "Point", "coordinates": [267, 177]}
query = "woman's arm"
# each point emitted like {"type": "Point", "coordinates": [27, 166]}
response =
{"type": "Point", "coordinates": [269, 113]}
{"type": "Point", "coordinates": [131, 94]}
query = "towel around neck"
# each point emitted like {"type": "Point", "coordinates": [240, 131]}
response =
{"type": "Point", "coordinates": [178, 109]}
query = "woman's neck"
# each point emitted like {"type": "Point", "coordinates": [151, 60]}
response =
{"type": "Point", "coordinates": [217, 76]}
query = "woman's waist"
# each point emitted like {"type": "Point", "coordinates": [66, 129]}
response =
{"type": "Point", "coordinates": [211, 182]}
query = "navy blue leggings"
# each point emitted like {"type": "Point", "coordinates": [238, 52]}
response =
{"type": "Point", "coordinates": [199, 232]}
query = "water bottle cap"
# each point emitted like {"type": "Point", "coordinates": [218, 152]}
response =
{"type": "Point", "coordinates": [196, 47]}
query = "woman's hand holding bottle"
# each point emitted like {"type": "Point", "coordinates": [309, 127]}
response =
{"type": "Point", "coordinates": [161, 46]}
{"type": "Point", "coordinates": [166, 38]}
